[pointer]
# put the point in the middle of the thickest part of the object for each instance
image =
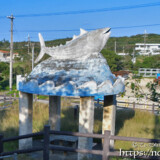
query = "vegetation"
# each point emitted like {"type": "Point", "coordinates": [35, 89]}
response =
{"type": "Point", "coordinates": [128, 43]}
{"type": "Point", "coordinates": [114, 61]}
{"type": "Point", "coordinates": [4, 75]}
{"type": "Point", "coordinates": [148, 62]}
{"type": "Point", "coordinates": [129, 123]}
{"type": "Point", "coordinates": [123, 43]}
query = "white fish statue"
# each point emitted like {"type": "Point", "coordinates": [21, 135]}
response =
{"type": "Point", "coordinates": [79, 48]}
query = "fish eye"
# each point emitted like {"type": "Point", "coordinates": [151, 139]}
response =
{"type": "Point", "coordinates": [107, 31]}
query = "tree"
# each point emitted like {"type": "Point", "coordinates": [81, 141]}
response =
{"type": "Point", "coordinates": [148, 62]}
{"type": "Point", "coordinates": [114, 61]}
{"type": "Point", "coordinates": [155, 95]}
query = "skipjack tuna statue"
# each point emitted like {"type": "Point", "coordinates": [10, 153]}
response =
{"type": "Point", "coordinates": [74, 69]}
{"type": "Point", "coordinates": [80, 47]}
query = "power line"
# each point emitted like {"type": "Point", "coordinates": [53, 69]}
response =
{"type": "Point", "coordinates": [71, 30]}
{"type": "Point", "coordinates": [88, 10]}
{"type": "Point", "coordinates": [137, 26]}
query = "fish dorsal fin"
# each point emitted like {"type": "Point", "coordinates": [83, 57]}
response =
{"type": "Point", "coordinates": [74, 37]}
{"type": "Point", "coordinates": [82, 31]}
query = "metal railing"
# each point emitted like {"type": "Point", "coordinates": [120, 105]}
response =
{"type": "Point", "coordinates": [141, 106]}
{"type": "Point", "coordinates": [148, 72]}
{"type": "Point", "coordinates": [105, 152]}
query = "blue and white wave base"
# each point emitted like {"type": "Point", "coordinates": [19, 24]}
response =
{"type": "Point", "coordinates": [91, 77]}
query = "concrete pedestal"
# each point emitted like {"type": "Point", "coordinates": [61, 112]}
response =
{"type": "Point", "coordinates": [109, 116]}
{"type": "Point", "coordinates": [86, 123]}
{"type": "Point", "coordinates": [25, 118]}
{"type": "Point", "coordinates": [55, 112]}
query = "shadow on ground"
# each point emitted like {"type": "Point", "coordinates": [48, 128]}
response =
{"type": "Point", "coordinates": [121, 116]}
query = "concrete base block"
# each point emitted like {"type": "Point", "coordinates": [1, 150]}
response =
{"type": "Point", "coordinates": [109, 116]}
{"type": "Point", "coordinates": [86, 123]}
{"type": "Point", "coordinates": [55, 112]}
{"type": "Point", "coordinates": [25, 118]}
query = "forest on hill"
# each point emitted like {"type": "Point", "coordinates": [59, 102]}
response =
{"type": "Point", "coordinates": [122, 43]}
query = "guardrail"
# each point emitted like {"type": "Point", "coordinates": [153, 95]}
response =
{"type": "Point", "coordinates": [105, 152]}
{"type": "Point", "coordinates": [7, 101]}
{"type": "Point", "coordinates": [148, 72]}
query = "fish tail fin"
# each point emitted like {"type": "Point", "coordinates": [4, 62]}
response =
{"type": "Point", "coordinates": [42, 52]}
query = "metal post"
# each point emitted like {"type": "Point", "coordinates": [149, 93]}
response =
{"type": "Point", "coordinates": [10, 97]}
{"type": "Point", "coordinates": [14, 96]}
{"type": "Point", "coordinates": [75, 112]}
{"type": "Point", "coordinates": [98, 101]}
{"type": "Point", "coordinates": [28, 43]}
{"type": "Point", "coordinates": [4, 99]}
{"type": "Point", "coordinates": [153, 108]}
{"type": "Point", "coordinates": [46, 142]}
{"type": "Point", "coordinates": [1, 145]}
{"type": "Point", "coordinates": [15, 156]}
{"type": "Point", "coordinates": [106, 145]}
{"type": "Point", "coordinates": [11, 52]}
{"type": "Point", "coordinates": [115, 47]}
{"type": "Point", "coordinates": [134, 105]}
{"type": "Point", "coordinates": [32, 56]}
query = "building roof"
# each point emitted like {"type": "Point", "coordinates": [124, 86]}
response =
{"type": "Point", "coordinates": [2, 51]}
{"type": "Point", "coordinates": [121, 73]}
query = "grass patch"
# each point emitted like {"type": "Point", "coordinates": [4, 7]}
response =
{"type": "Point", "coordinates": [136, 123]}
{"type": "Point", "coordinates": [129, 123]}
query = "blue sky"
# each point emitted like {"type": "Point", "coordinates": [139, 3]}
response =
{"type": "Point", "coordinates": [33, 25]}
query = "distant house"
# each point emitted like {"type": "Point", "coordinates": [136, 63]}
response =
{"type": "Point", "coordinates": [5, 56]}
{"type": "Point", "coordinates": [122, 54]}
{"type": "Point", "coordinates": [15, 55]}
{"type": "Point", "coordinates": [148, 48]}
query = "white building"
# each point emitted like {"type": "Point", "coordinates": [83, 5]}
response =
{"type": "Point", "coordinates": [122, 54]}
{"type": "Point", "coordinates": [148, 48]}
{"type": "Point", "coordinates": [5, 56]}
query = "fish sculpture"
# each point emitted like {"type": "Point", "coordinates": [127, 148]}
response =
{"type": "Point", "coordinates": [79, 48]}
{"type": "Point", "coordinates": [74, 69]}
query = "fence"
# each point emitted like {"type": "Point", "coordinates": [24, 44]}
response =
{"type": "Point", "coordinates": [148, 72]}
{"type": "Point", "coordinates": [105, 152]}
{"type": "Point", "coordinates": [142, 106]}
{"type": "Point", "coordinates": [6, 101]}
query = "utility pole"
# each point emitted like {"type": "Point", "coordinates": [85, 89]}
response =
{"type": "Point", "coordinates": [134, 58]}
{"type": "Point", "coordinates": [32, 55]}
{"type": "Point", "coordinates": [11, 52]}
{"type": "Point", "coordinates": [145, 36]}
{"type": "Point", "coordinates": [115, 47]}
{"type": "Point", "coordinates": [123, 49]}
{"type": "Point", "coordinates": [28, 43]}
{"type": "Point", "coordinates": [133, 53]}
